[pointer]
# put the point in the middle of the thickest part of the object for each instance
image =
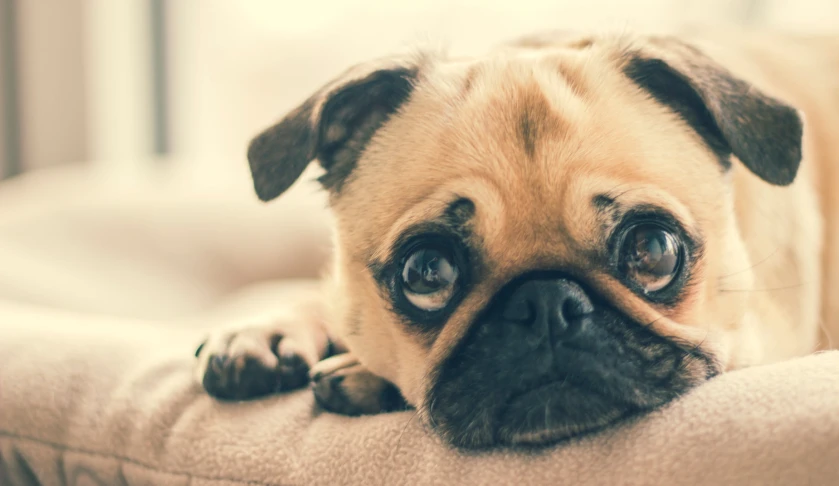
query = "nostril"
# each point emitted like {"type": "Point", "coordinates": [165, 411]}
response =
{"type": "Point", "coordinates": [574, 316]}
{"type": "Point", "coordinates": [573, 309]}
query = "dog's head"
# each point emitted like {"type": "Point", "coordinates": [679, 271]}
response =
{"type": "Point", "coordinates": [530, 245]}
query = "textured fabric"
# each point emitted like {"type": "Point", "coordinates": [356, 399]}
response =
{"type": "Point", "coordinates": [88, 400]}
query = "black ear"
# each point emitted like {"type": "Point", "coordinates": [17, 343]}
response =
{"type": "Point", "coordinates": [730, 114]}
{"type": "Point", "coordinates": [334, 125]}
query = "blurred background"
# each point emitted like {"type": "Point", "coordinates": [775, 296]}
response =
{"type": "Point", "coordinates": [124, 125]}
{"type": "Point", "coordinates": [119, 83]}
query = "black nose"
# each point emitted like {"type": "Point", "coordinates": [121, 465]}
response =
{"type": "Point", "coordinates": [558, 307]}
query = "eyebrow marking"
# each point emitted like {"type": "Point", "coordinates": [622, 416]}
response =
{"type": "Point", "coordinates": [458, 214]}
{"type": "Point", "coordinates": [607, 208]}
{"type": "Point", "coordinates": [603, 202]}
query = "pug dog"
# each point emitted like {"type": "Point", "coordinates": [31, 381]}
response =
{"type": "Point", "coordinates": [561, 233]}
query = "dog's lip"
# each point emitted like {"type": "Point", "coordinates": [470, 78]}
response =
{"type": "Point", "coordinates": [542, 395]}
{"type": "Point", "coordinates": [552, 387]}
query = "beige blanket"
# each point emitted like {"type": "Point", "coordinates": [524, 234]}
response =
{"type": "Point", "coordinates": [90, 401]}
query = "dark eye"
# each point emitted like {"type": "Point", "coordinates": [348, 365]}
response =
{"type": "Point", "coordinates": [650, 256]}
{"type": "Point", "coordinates": [428, 278]}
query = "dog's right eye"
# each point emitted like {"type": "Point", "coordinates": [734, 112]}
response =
{"type": "Point", "coordinates": [429, 277]}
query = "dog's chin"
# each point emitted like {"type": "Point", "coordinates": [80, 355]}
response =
{"type": "Point", "coordinates": [554, 412]}
{"type": "Point", "coordinates": [542, 416]}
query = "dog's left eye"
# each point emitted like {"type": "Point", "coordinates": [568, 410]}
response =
{"type": "Point", "coordinates": [428, 279]}
{"type": "Point", "coordinates": [650, 256]}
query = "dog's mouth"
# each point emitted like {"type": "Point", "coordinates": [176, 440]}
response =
{"type": "Point", "coordinates": [556, 411]}
{"type": "Point", "coordinates": [502, 387]}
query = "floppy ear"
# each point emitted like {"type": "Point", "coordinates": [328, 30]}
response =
{"type": "Point", "coordinates": [730, 114]}
{"type": "Point", "coordinates": [334, 125]}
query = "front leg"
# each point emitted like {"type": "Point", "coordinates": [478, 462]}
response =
{"type": "Point", "coordinates": [252, 359]}
{"type": "Point", "coordinates": [343, 385]}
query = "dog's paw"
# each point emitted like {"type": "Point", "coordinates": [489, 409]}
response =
{"type": "Point", "coordinates": [252, 362]}
{"type": "Point", "coordinates": [342, 385]}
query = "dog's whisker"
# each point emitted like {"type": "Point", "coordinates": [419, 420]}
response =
{"type": "Point", "coordinates": [771, 289]}
{"type": "Point", "coordinates": [407, 424]}
{"type": "Point", "coordinates": [649, 324]}
{"type": "Point", "coordinates": [752, 267]}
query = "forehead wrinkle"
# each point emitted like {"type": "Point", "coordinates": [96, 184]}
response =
{"type": "Point", "coordinates": [535, 233]}
{"type": "Point", "coordinates": [663, 322]}
{"type": "Point", "coordinates": [469, 80]}
{"type": "Point", "coordinates": [565, 79]}
{"type": "Point", "coordinates": [536, 120]}
{"type": "Point", "coordinates": [523, 106]}
{"type": "Point", "coordinates": [647, 194]}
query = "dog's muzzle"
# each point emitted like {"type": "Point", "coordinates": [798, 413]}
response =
{"type": "Point", "coordinates": [548, 360]}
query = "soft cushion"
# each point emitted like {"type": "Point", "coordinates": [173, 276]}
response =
{"type": "Point", "coordinates": [87, 400]}
{"type": "Point", "coordinates": [120, 282]}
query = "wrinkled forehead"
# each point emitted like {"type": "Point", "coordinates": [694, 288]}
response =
{"type": "Point", "coordinates": [533, 138]}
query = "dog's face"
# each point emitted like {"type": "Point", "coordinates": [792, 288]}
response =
{"type": "Point", "coordinates": [532, 245]}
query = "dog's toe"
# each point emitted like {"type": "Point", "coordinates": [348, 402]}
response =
{"type": "Point", "coordinates": [241, 367]}
{"type": "Point", "coordinates": [240, 378]}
